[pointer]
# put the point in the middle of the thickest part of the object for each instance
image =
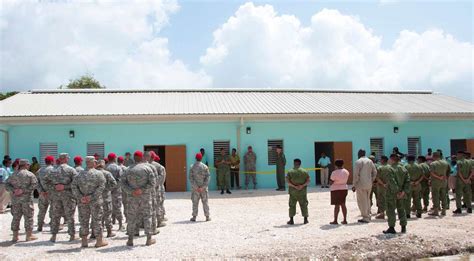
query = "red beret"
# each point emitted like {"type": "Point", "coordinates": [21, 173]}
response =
{"type": "Point", "coordinates": [198, 156]}
{"type": "Point", "coordinates": [76, 159]}
{"type": "Point", "coordinates": [112, 156]}
{"type": "Point", "coordinates": [120, 159]}
{"type": "Point", "coordinates": [138, 154]}
{"type": "Point", "coordinates": [49, 159]}
{"type": "Point", "coordinates": [106, 160]}
{"type": "Point", "coordinates": [156, 158]}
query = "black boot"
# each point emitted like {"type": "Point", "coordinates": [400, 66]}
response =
{"type": "Point", "coordinates": [404, 229]}
{"type": "Point", "coordinates": [418, 215]}
{"type": "Point", "coordinates": [408, 216]}
{"type": "Point", "coordinates": [228, 192]}
{"type": "Point", "coordinates": [469, 210]}
{"type": "Point", "coordinates": [222, 192]}
{"type": "Point", "coordinates": [390, 230]}
{"type": "Point", "coordinates": [306, 220]}
{"type": "Point", "coordinates": [457, 211]}
{"type": "Point", "coordinates": [291, 222]}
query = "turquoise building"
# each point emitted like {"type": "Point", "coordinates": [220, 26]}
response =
{"type": "Point", "coordinates": [177, 123]}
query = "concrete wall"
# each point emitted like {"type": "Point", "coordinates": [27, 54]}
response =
{"type": "Point", "coordinates": [299, 137]}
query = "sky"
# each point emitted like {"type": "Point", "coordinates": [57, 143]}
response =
{"type": "Point", "coordinates": [168, 44]}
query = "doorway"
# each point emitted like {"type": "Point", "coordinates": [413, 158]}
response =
{"type": "Point", "coordinates": [462, 145]}
{"type": "Point", "coordinates": [173, 158]}
{"type": "Point", "coordinates": [334, 150]}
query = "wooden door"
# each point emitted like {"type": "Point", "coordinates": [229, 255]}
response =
{"type": "Point", "coordinates": [470, 146]}
{"type": "Point", "coordinates": [343, 150]}
{"type": "Point", "coordinates": [175, 168]}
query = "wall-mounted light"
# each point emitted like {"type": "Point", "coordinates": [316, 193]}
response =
{"type": "Point", "coordinates": [395, 129]}
{"type": "Point", "coordinates": [71, 134]}
{"type": "Point", "coordinates": [249, 130]}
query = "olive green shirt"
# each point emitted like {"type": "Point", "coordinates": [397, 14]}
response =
{"type": "Point", "coordinates": [402, 178]}
{"type": "Point", "coordinates": [440, 168]}
{"type": "Point", "coordinates": [223, 167]}
{"type": "Point", "coordinates": [280, 163]}
{"type": "Point", "coordinates": [415, 171]}
{"type": "Point", "coordinates": [464, 168]}
{"type": "Point", "coordinates": [297, 177]}
{"type": "Point", "coordinates": [383, 173]}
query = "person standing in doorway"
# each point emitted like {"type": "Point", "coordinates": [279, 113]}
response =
{"type": "Point", "coordinates": [324, 163]}
{"type": "Point", "coordinates": [128, 161]}
{"type": "Point", "coordinates": [250, 165]}
{"type": "Point", "coordinates": [204, 157]}
{"type": "Point", "coordinates": [223, 171]}
{"type": "Point", "coordinates": [235, 170]}
{"type": "Point", "coordinates": [280, 168]}
{"type": "Point", "coordinates": [364, 176]}
{"type": "Point", "coordinates": [298, 180]}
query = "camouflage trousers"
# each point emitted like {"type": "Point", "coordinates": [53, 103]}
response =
{"type": "Point", "coordinates": [203, 196]}
{"type": "Point", "coordinates": [250, 177]}
{"type": "Point", "coordinates": [22, 208]}
{"type": "Point", "coordinates": [43, 204]}
{"type": "Point", "coordinates": [160, 210]}
{"type": "Point", "coordinates": [107, 214]}
{"type": "Point", "coordinates": [64, 206]}
{"type": "Point", "coordinates": [117, 204]}
{"type": "Point", "coordinates": [124, 202]}
{"type": "Point", "coordinates": [154, 211]}
{"type": "Point", "coordinates": [90, 213]}
{"type": "Point", "coordinates": [139, 209]}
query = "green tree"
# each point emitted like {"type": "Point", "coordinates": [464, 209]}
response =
{"type": "Point", "coordinates": [84, 82]}
{"type": "Point", "coordinates": [3, 96]}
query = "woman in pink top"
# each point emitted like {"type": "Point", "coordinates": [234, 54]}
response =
{"type": "Point", "coordinates": [339, 190]}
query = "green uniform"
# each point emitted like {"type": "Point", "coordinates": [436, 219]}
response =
{"type": "Point", "coordinates": [280, 170]}
{"type": "Point", "coordinates": [383, 173]}
{"type": "Point", "coordinates": [416, 174]}
{"type": "Point", "coordinates": [398, 181]}
{"type": "Point", "coordinates": [298, 177]}
{"type": "Point", "coordinates": [463, 190]}
{"type": "Point", "coordinates": [438, 187]}
{"type": "Point", "coordinates": [223, 172]}
{"type": "Point", "coordinates": [425, 187]}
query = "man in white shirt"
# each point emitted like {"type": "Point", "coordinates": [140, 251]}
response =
{"type": "Point", "coordinates": [364, 175]}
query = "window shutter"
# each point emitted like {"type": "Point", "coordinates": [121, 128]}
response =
{"type": "Point", "coordinates": [272, 155]}
{"type": "Point", "coordinates": [414, 146]}
{"type": "Point", "coordinates": [46, 149]}
{"type": "Point", "coordinates": [95, 147]}
{"type": "Point", "coordinates": [376, 145]}
{"type": "Point", "coordinates": [218, 145]}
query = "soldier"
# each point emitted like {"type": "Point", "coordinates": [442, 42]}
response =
{"type": "Point", "coordinates": [154, 214]}
{"type": "Point", "coordinates": [416, 176]}
{"type": "Point", "coordinates": [63, 203]}
{"type": "Point", "coordinates": [117, 172]}
{"type": "Point", "coordinates": [280, 168]}
{"type": "Point", "coordinates": [425, 187]}
{"type": "Point", "coordinates": [463, 184]}
{"type": "Point", "coordinates": [21, 185]}
{"type": "Point", "coordinates": [110, 185]}
{"type": "Point", "coordinates": [383, 175]}
{"type": "Point", "coordinates": [78, 164]}
{"type": "Point", "coordinates": [199, 179]}
{"type": "Point", "coordinates": [298, 179]}
{"type": "Point", "coordinates": [439, 174]}
{"type": "Point", "coordinates": [88, 189]}
{"type": "Point", "coordinates": [120, 161]}
{"type": "Point", "coordinates": [223, 171]}
{"type": "Point", "coordinates": [138, 182]}
{"type": "Point", "coordinates": [128, 161]}
{"type": "Point", "coordinates": [250, 165]}
{"type": "Point", "coordinates": [396, 193]}
{"type": "Point", "coordinates": [160, 190]}
{"type": "Point", "coordinates": [43, 200]}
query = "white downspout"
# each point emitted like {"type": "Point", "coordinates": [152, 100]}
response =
{"type": "Point", "coordinates": [239, 131]}
{"type": "Point", "coordinates": [7, 141]}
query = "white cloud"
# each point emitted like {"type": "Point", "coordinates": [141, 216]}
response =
{"type": "Point", "coordinates": [256, 47]}
{"type": "Point", "coordinates": [43, 44]}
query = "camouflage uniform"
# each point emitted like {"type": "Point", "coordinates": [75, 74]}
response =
{"type": "Point", "coordinates": [63, 202]}
{"type": "Point", "coordinates": [91, 183]}
{"type": "Point", "coordinates": [22, 205]}
{"type": "Point", "coordinates": [78, 168]}
{"type": "Point", "coordinates": [124, 195]}
{"type": "Point", "coordinates": [154, 199]}
{"type": "Point", "coordinates": [298, 176]}
{"type": "Point", "coordinates": [398, 181]}
{"type": "Point", "coordinates": [43, 201]}
{"type": "Point", "coordinates": [117, 172]}
{"type": "Point", "coordinates": [139, 208]}
{"type": "Point", "coordinates": [199, 178]}
{"type": "Point", "coordinates": [383, 174]}
{"type": "Point", "coordinates": [280, 170]}
{"type": "Point", "coordinates": [160, 191]}
{"type": "Point", "coordinates": [463, 190]}
{"type": "Point", "coordinates": [110, 185]}
{"type": "Point", "coordinates": [438, 187]}
{"type": "Point", "coordinates": [250, 165]}
{"type": "Point", "coordinates": [416, 174]}
{"type": "Point", "coordinates": [425, 187]}
{"type": "Point", "coordinates": [223, 172]}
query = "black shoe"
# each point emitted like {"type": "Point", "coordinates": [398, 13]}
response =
{"type": "Point", "coordinates": [469, 210]}
{"type": "Point", "coordinates": [290, 222]}
{"type": "Point", "coordinates": [408, 216]}
{"type": "Point", "coordinates": [222, 192]}
{"type": "Point", "coordinates": [362, 221]}
{"type": "Point", "coordinates": [228, 192]}
{"type": "Point", "coordinates": [457, 211]}
{"type": "Point", "coordinates": [404, 229]}
{"type": "Point", "coordinates": [306, 220]}
{"type": "Point", "coordinates": [463, 206]}
{"type": "Point", "coordinates": [278, 189]}
{"type": "Point", "coordinates": [390, 230]}
{"type": "Point", "coordinates": [418, 215]}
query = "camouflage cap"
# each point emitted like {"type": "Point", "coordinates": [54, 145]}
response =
{"type": "Point", "coordinates": [64, 155]}
{"type": "Point", "coordinates": [23, 162]}
{"type": "Point", "coordinates": [90, 158]}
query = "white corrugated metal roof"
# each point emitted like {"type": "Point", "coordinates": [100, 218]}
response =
{"type": "Point", "coordinates": [47, 103]}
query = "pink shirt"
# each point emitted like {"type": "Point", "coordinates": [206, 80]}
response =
{"type": "Point", "coordinates": [339, 178]}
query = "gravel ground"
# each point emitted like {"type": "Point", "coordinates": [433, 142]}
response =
{"type": "Point", "coordinates": [252, 225]}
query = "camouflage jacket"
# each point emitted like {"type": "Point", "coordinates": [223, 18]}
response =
{"type": "Point", "coordinates": [89, 182]}
{"type": "Point", "coordinates": [24, 180]}
{"type": "Point", "coordinates": [199, 175]}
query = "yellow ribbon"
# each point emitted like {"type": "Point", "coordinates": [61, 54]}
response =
{"type": "Point", "coordinates": [267, 172]}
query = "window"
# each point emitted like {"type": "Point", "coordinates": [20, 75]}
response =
{"type": "Point", "coordinates": [218, 145]}
{"type": "Point", "coordinates": [414, 146]}
{"type": "Point", "coordinates": [272, 145]}
{"type": "Point", "coordinates": [46, 149]}
{"type": "Point", "coordinates": [95, 147]}
{"type": "Point", "coordinates": [376, 145]}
